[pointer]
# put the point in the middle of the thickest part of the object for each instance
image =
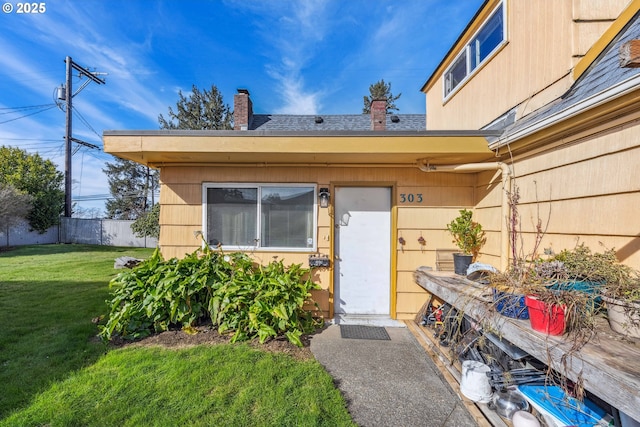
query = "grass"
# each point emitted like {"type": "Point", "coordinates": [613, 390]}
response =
{"type": "Point", "coordinates": [54, 372]}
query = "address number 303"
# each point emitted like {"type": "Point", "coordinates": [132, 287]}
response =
{"type": "Point", "coordinates": [410, 197]}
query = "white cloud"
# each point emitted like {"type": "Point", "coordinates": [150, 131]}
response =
{"type": "Point", "coordinates": [296, 100]}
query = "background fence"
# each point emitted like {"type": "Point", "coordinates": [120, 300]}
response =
{"type": "Point", "coordinates": [108, 232]}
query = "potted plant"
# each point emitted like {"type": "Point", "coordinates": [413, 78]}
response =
{"type": "Point", "coordinates": [469, 237]}
{"type": "Point", "coordinates": [568, 283]}
{"type": "Point", "coordinates": [580, 279]}
{"type": "Point", "coordinates": [581, 269]}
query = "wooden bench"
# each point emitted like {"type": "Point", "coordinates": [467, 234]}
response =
{"type": "Point", "coordinates": [604, 366]}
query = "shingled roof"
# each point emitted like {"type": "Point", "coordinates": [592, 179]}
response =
{"type": "Point", "coordinates": [379, 119]}
{"type": "Point", "coordinates": [344, 122]}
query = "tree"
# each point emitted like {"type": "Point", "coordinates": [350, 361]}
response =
{"type": "Point", "coordinates": [33, 175]}
{"type": "Point", "coordinates": [130, 184]}
{"type": "Point", "coordinates": [148, 224]}
{"type": "Point", "coordinates": [204, 110]}
{"type": "Point", "coordinates": [380, 90]}
{"type": "Point", "coordinates": [201, 110]}
{"type": "Point", "coordinates": [14, 205]}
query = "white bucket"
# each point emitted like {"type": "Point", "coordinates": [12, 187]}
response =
{"type": "Point", "coordinates": [524, 419]}
{"type": "Point", "coordinates": [623, 317]}
{"type": "Point", "coordinates": [474, 382]}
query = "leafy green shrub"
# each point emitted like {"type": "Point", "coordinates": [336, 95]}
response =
{"type": "Point", "coordinates": [148, 223]}
{"type": "Point", "coordinates": [468, 235]}
{"type": "Point", "coordinates": [238, 296]}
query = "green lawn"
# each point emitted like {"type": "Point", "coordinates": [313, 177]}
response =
{"type": "Point", "coordinates": [54, 372]}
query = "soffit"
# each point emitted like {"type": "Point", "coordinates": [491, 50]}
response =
{"type": "Point", "coordinates": [232, 148]}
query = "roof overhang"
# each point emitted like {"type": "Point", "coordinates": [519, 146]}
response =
{"type": "Point", "coordinates": [166, 148]}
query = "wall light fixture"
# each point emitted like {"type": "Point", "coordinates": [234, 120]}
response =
{"type": "Point", "coordinates": [323, 195]}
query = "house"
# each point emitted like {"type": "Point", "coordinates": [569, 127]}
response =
{"type": "Point", "coordinates": [263, 187]}
{"type": "Point", "coordinates": [529, 97]}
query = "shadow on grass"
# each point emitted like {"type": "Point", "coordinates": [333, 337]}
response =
{"type": "Point", "coordinates": [49, 295]}
{"type": "Point", "coordinates": [47, 332]}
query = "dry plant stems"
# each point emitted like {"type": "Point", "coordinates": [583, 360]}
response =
{"type": "Point", "coordinates": [513, 198]}
{"type": "Point", "coordinates": [515, 231]}
{"type": "Point", "coordinates": [529, 275]}
{"type": "Point", "coordinates": [573, 279]}
{"type": "Point", "coordinates": [540, 232]}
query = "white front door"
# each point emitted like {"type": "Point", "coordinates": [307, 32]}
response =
{"type": "Point", "coordinates": [362, 282]}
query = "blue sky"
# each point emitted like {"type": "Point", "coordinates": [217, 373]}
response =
{"type": "Point", "coordinates": [295, 57]}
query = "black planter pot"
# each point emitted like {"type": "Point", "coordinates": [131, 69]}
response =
{"type": "Point", "coordinates": [461, 263]}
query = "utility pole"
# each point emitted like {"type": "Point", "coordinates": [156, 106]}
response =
{"type": "Point", "coordinates": [68, 94]}
{"type": "Point", "coordinates": [69, 139]}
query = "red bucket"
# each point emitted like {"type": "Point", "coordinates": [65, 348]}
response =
{"type": "Point", "coordinates": [545, 318]}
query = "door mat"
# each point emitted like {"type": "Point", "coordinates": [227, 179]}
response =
{"type": "Point", "coordinates": [360, 332]}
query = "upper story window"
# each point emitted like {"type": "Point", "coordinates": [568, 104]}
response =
{"type": "Point", "coordinates": [489, 37]}
{"type": "Point", "coordinates": [260, 216]}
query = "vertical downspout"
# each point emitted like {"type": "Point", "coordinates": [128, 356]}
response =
{"type": "Point", "coordinates": [506, 189]}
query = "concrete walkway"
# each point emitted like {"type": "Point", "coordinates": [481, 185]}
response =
{"type": "Point", "coordinates": [389, 383]}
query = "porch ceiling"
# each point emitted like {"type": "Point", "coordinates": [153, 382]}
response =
{"type": "Point", "coordinates": [163, 148]}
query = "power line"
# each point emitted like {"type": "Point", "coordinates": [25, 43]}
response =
{"type": "Point", "coordinates": [37, 144]}
{"type": "Point", "coordinates": [101, 155]}
{"type": "Point", "coordinates": [29, 139]}
{"type": "Point", "coordinates": [97, 197]}
{"type": "Point", "coordinates": [85, 122]}
{"type": "Point", "coordinates": [26, 107]}
{"type": "Point", "coordinates": [31, 114]}
{"type": "Point", "coordinates": [52, 151]}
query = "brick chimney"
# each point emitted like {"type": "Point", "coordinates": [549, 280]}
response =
{"type": "Point", "coordinates": [630, 54]}
{"type": "Point", "coordinates": [242, 110]}
{"type": "Point", "coordinates": [379, 114]}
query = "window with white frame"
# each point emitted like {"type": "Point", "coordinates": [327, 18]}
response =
{"type": "Point", "coordinates": [261, 216]}
{"type": "Point", "coordinates": [490, 36]}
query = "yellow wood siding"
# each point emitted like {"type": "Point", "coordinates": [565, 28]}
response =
{"type": "Point", "coordinates": [591, 22]}
{"type": "Point", "coordinates": [585, 34]}
{"type": "Point", "coordinates": [177, 193]}
{"type": "Point", "coordinates": [180, 215]}
{"type": "Point", "coordinates": [584, 10]}
{"type": "Point", "coordinates": [585, 189]}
